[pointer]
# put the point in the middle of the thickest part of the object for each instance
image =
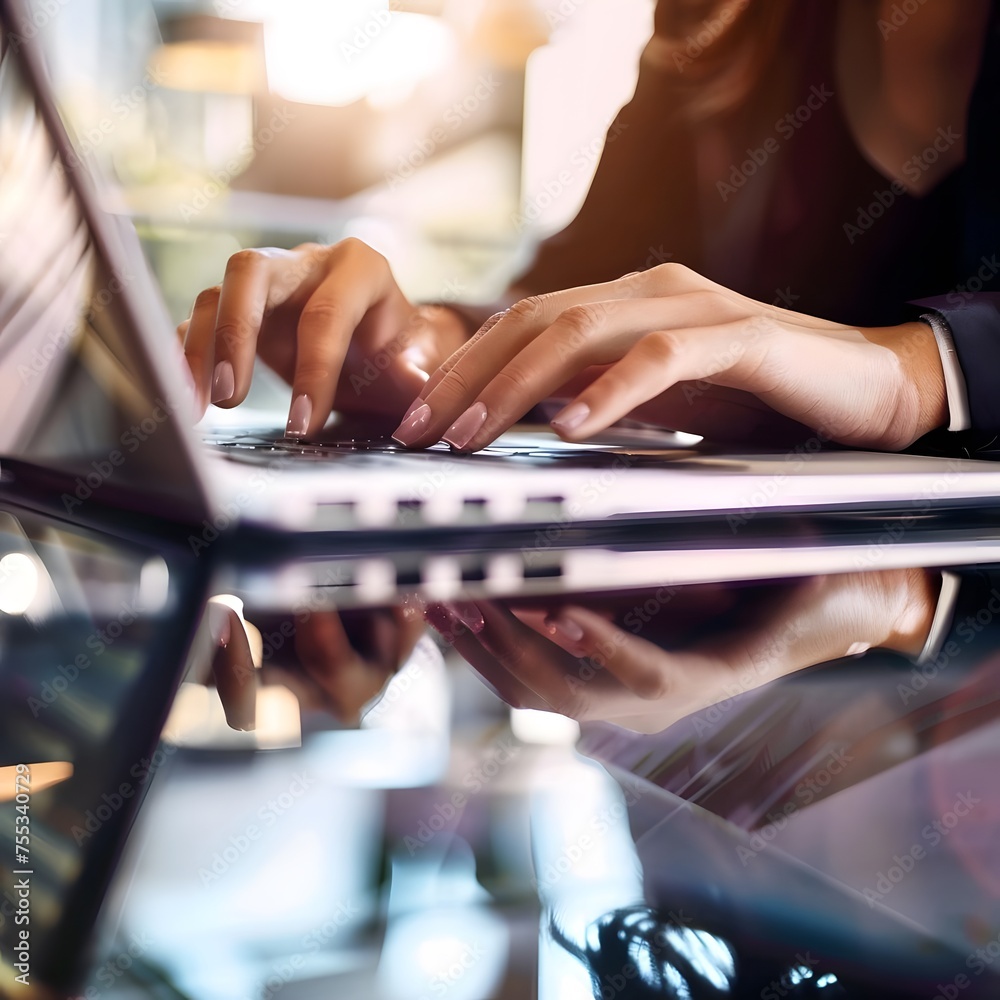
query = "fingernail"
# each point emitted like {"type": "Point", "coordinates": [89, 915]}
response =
{"type": "Point", "coordinates": [415, 405]}
{"type": "Point", "coordinates": [223, 382]}
{"type": "Point", "coordinates": [492, 322]}
{"type": "Point", "coordinates": [299, 416]}
{"type": "Point", "coordinates": [443, 620]}
{"type": "Point", "coordinates": [463, 430]}
{"type": "Point", "coordinates": [564, 626]}
{"type": "Point", "coordinates": [468, 614]}
{"type": "Point", "coordinates": [218, 624]}
{"type": "Point", "coordinates": [569, 418]}
{"type": "Point", "coordinates": [412, 425]}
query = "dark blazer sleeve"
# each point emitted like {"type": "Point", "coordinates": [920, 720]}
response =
{"type": "Point", "coordinates": [974, 320]}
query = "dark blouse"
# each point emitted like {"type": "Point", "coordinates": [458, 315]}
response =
{"type": "Point", "coordinates": [801, 218]}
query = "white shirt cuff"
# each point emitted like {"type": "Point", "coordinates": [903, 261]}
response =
{"type": "Point", "coordinates": [943, 614]}
{"type": "Point", "coordinates": [954, 380]}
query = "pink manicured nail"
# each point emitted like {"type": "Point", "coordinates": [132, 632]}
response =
{"type": "Point", "coordinates": [463, 430]}
{"type": "Point", "coordinates": [571, 417]}
{"type": "Point", "coordinates": [564, 626]}
{"type": "Point", "coordinates": [415, 405]}
{"type": "Point", "coordinates": [412, 425]}
{"type": "Point", "coordinates": [468, 614]}
{"type": "Point", "coordinates": [218, 624]}
{"type": "Point", "coordinates": [441, 618]}
{"type": "Point", "coordinates": [299, 416]}
{"type": "Point", "coordinates": [223, 382]}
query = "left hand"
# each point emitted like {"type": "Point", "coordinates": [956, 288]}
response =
{"type": "Point", "coordinates": [334, 661]}
{"type": "Point", "coordinates": [673, 348]}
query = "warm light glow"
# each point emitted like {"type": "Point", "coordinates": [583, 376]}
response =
{"type": "Point", "coordinates": [40, 776]}
{"type": "Point", "coordinates": [319, 52]}
{"type": "Point", "coordinates": [207, 67]}
{"type": "Point", "coordinates": [18, 583]}
{"type": "Point", "coordinates": [197, 719]}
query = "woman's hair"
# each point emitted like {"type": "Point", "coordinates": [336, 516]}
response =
{"type": "Point", "coordinates": [715, 50]}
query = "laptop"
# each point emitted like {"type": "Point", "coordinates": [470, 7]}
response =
{"type": "Point", "coordinates": [103, 478]}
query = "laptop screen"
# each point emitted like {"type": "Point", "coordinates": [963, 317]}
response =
{"type": "Point", "coordinates": [78, 391]}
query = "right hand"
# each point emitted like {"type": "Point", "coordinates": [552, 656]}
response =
{"type": "Point", "coordinates": [700, 646]}
{"type": "Point", "coordinates": [330, 320]}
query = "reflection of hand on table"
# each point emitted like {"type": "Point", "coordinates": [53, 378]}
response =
{"type": "Point", "coordinates": [573, 659]}
{"type": "Point", "coordinates": [336, 662]}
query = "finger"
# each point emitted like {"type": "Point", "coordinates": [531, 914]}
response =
{"type": "Point", "coordinates": [358, 281]}
{"type": "Point", "coordinates": [199, 343]}
{"type": "Point", "coordinates": [453, 359]}
{"type": "Point", "coordinates": [556, 677]}
{"type": "Point", "coordinates": [732, 354]}
{"type": "Point", "coordinates": [233, 668]}
{"type": "Point", "coordinates": [583, 336]}
{"type": "Point", "coordinates": [446, 621]}
{"type": "Point", "coordinates": [488, 354]}
{"type": "Point", "coordinates": [342, 676]}
{"type": "Point", "coordinates": [242, 301]}
{"type": "Point", "coordinates": [182, 329]}
{"type": "Point", "coordinates": [641, 666]}
{"type": "Point", "coordinates": [321, 640]}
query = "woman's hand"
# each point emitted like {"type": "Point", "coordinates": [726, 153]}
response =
{"type": "Point", "coordinates": [330, 320]}
{"type": "Point", "coordinates": [578, 661]}
{"type": "Point", "coordinates": [334, 662]}
{"type": "Point", "coordinates": [673, 348]}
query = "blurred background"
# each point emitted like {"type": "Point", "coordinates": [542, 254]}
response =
{"type": "Point", "coordinates": [449, 134]}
